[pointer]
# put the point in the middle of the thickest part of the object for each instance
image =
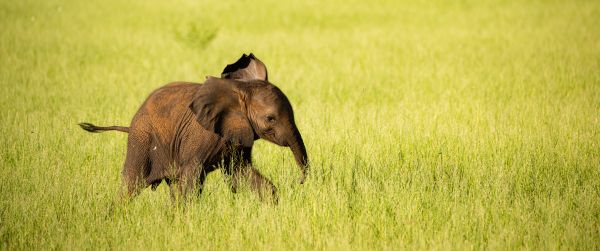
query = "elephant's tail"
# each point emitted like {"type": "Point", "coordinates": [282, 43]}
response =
{"type": "Point", "coordinates": [92, 128]}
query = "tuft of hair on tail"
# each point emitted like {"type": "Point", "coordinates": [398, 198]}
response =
{"type": "Point", "coordinates": [88, 127]}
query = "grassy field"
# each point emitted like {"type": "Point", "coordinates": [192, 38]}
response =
{"type": "Point", "coordinates": [429, 124]}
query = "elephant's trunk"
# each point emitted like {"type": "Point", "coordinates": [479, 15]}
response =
{"type": "Point", "coordinates": [299, 151]}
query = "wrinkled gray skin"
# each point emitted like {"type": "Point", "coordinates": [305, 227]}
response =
{"type": "Point", "coordinates": [184, 131]}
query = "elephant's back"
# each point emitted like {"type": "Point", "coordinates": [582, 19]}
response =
{"type": "Point", "coordinates": [175, 93]}
{"type": "Point", "coordinates": [164, 106]}
{"type": "Point", "coordinates": [166, 100]}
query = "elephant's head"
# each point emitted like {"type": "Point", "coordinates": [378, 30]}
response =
{"type": "Point", "coordinates": [243, 107]}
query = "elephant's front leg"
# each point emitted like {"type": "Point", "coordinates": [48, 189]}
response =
{"type": "Point", "coordinates": [257, 182]}
{"type": "Point", "coordinates": [191, 181]}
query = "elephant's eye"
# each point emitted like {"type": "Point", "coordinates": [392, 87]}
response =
{"type": "Point", "coordinates": [270, 118]}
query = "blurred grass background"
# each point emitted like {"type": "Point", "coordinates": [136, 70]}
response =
{"type": "Point", "coordinates": [429, 124]}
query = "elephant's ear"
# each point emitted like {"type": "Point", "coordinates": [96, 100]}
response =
{"type": "Point", "coordinates": [219, 108]}
{"type": "Point", "coordinates": [248, 67]}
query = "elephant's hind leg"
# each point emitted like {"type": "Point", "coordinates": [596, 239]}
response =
{"type": "Point", "coordinates": [137, 165]}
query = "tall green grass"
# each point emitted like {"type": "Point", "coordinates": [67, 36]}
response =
{"type": "Point", "coordinates": [429, 124]}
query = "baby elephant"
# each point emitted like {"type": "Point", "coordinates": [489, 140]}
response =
{"type": "Point", "coordinates": [184, 131]}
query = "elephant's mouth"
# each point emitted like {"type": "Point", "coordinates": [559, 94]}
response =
{"type": "Point", "coordinates": [268, 134]}
{"type": "Point", "coordinates": [269, 131]}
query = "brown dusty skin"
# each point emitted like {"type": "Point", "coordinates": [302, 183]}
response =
{"type": "Point", "coordinates": [183, 131]}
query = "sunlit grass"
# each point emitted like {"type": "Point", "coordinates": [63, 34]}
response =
{"type": "Point", "coordinates": [429, 125]}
